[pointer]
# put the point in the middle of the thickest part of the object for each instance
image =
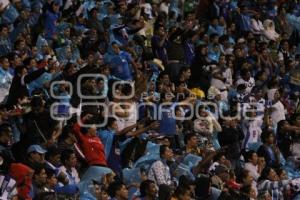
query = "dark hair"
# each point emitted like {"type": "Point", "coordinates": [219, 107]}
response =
{"type": "Point", "coordinates": [17, 43]}
{"type": "Point", "coordinates": [110, 121]}
{"type": "Point", "coordinates": [2, 26]}
{"type": "Point", "coordinates": [246, 189]}
{"type": "Point", "coordinates": [265, 173]}
{"type": "Point", "coordinates": [114, 187]}
{"type": "Point", "coordinates": [38, 168]}
{"type": "Point", "coordinates": [91, 121]}
{"type": "Point", "coordinates": [67, 67]}
{"type": "Point", "coordinates": [157, 27]}
{"type": "Point", "coordinates": [294, 117]}
{"type": "Point", "coordinates": [50, 173]}
{"type": "Point", "coordinates": [244, 72]}
{"type": "Point", "coordinates": [259, 74]}
{"type": "Point", "coordinates": [36, 102]}
{"type": "Point", "coordinates": [202, 187]}
{"type": "Point", "coordinates": [2, 58]}
{"type": "Point", "coordinates": [280, 125]}
{"type": "Point", "coordinates": [26, 62]}
{"type": "Point", "coordinates": [244, 174]}
{"type": "Point", "coordinates": [185, 181]}
{"type": "Point", "coordinates": [114, 43]}
{"type": "Point", "coordinates": [91, 11]}
{"type": "Point", "coordinates": [181, 191]}
{"type": "Point", "coordinates": [66, 155]}
{"type": "Point", "coordinates": [19, 69]}
{"type": "Point", "coordinates": [162, 150]}
{"type": "Point", "coordinates": [280, 171]}
{"type": "Point", "coordinates": [265, 135]}
{"type": "Point", "coordinates": [188, 136]}
{"type": "Point", "coordinates": [126, 89]}
{"type": "Point", "coordinates": [53, 151]}
{"type": "Point", "coordinates": [66, 131]}
{"type": "Point", "coordinates": [223, 38]}
{"type": "Point", "coordinates": [164, 192]}
{"type": "Point", "coordinates": [51, 6]}
{"type": "Point", "coordinates": [184, 69]}
{"type": "Point", "coordinates": [218, 156]}
{"type": "Point", "coordinates": [4, 128]}
{"type": "Point", "coordinates": [145, 186]}
{"type": "Point", "coordinates": [212, 36]}
{"type": "Point", "coordinates": [248, 155]}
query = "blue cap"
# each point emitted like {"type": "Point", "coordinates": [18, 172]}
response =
{"type": "Point", "coordinates": [36, 148]}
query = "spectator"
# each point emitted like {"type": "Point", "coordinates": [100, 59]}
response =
{"type": "Point", "coordinates": [39, 181]}
{"type": "Point", "coordinates": [36, 155]}
{"type": "Point", "coordinates": [18, 84]}
{"type": "Point", "coordinates": [269, 150]}
{"type": "Point", "coordinates": [6, 44]}
{"type": "Point", "coordinates": [69, 162]}
{"type": "Point", "coordinates": [53, 161]}
{"type": "Point", "coordinates": [90, 144]}
{"type": "Point", "coordinates": [159, 44]}
{"type": "Point", "coordinates": [221, 177]}
{"type": "Point", "coordinates": [6, 78]}
{"type": "Point", "coordinates": [148, 190]}
{"type": "Point", "coordinates": [160, 171]}
{"type": "Point", "coordinates": [269, 181]}
{"type": "Point", "coordinates": [192, 144]}
{"type": "Point", "coordinates": [23, 176]}
{"type": "Point", "coordinates": [118, 191]}
{"type": "Point", "coordinates": [221, 82]}
{"type": "Point", "coordinates": [254, 164]}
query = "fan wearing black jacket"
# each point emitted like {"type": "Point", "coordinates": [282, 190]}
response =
{"type": "Point", "coordinates": [230, 137]}
{"type": "Point", "coordinates": [18, 89]}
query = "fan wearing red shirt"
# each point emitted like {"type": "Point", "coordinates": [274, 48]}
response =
{"type": "Point", "coordinates": [90, 144]}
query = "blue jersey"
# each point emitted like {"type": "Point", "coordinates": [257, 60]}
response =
{"type": "Point", "coordinates": [121, 66]}
{"type": "Point", "coordinates": [167, 120]}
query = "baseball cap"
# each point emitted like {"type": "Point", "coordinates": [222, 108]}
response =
{"type": "Point", "coordinates": [36, 148]}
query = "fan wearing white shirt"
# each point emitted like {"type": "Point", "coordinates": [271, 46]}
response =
{"type": "Point", "coordinates": [256, 98]}
{"type": "Point", "coordinates": [69, 161]}
{"type": "Point", "coordinates": [247, 80]}
{"type": "Point", "coordinates": [252, 130]}
{"type": "Point", "coordinates": [164, 6]}
{"type": "Point", "coordinates": [254, 164]}
{"type": "Point", "coordinates": [257, 27]}
{"type": "Point", "coordinates": [218, 82]}
{"type": "Point", "coordinates": [277, 108]}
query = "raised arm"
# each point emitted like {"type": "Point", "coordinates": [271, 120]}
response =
{"type": "Point", "coordinates": [32, 76]}
{"type": "Point", "coordinates": [153, 125]}
{"type": "Point", "coordinates": [76, 127]}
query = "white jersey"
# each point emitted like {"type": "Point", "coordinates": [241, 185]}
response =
{"type": "Point", "coordinates": [8, 187]}
{"type": "Point", "coordinates": [5, 82]}
{"type": "Point", "coordinates": [249, 84]}
{"type": "Point", "coordinates": [252, 131]}
{"type": "Point", "coordinates": [132, 118]}
{"type": "Point", "coordinates": [113, 107]}
{"type": "Point", "coordinates": [278, 113]}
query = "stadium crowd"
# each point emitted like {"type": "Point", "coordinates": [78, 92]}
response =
{"type": "Point", "coordinates": [150, 99]}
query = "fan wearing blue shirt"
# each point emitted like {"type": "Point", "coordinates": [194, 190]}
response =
{"type": "Point", "coordinates": [113, 140]}
{"type": "Point", "coordinates": [166, 116]}
{"type": "Point", "coordinates": [51, 17]}
{"type": "Point", "coordinates": [121, 62]}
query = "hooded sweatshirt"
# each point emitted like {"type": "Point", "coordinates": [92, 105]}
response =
{"type": "Point", "coordinates": [22, 174]}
